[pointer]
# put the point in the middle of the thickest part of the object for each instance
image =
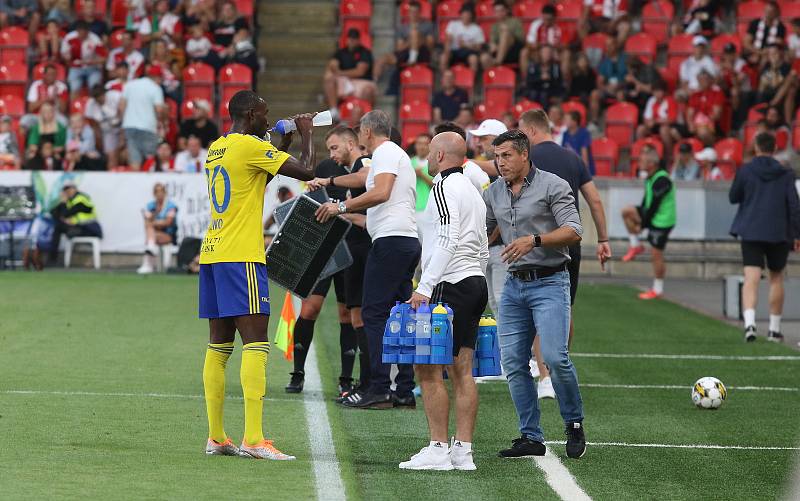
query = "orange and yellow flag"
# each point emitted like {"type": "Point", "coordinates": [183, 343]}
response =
{"type": "Point", "coordinates": [284, 336]}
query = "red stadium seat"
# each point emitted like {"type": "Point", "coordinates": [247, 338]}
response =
{"type": "Point", "coordinates": [245, 8]}
{"type": "Point", "coordinates": [447, 11]}
{"type": "Point", "coordinates": [568, 15]}
{"type": "Point", "coordinates": [172, 108]}
{"type": "Point", "coordinates": [790, 9]}
{"type": "Point", "coordinates": [14, 42]}
{"type": "Point", "coordinates": [78, 105]}
{"type": "Point", "coordinates": [578, 106]}
{"type": "Point", "coordinates": [528, 10]}
{"type": "Point", "coordinates": [415, 119]}
{"type": "Point", "coordinates": [119, 13]}
{"type": "Point", "coordinates": [13, 106]}
{"type": "Point", "coordinates": [187, 110]}
{"type": "Point", "coordinates": [670, 78]}
{"type": "Point", "coordinates": [362, 25]}
{"type": "Point", "coordinates": [656, 18]}
{"type": "Point", "coordinates": [484, 11]}
{"type": "Point", "coordinates": [233, 78]}
{"type": "Point", "coordinates": [746, 12]}
{"type": "Point", "coordinates": [38, 71]}
{"type": "Point", "coordinates": [636, 150]}
{"type": "Point", "coordinates": [679, 48]}
{"type": "Point", "coordinates": [198, 82]}
{"type": "Point", "coordinates": [355, 9]}
{"type": "Point", "coordinates": [720, 41]}
{"type": "Point", "coordinates": [416, 84]}
{"type": "Point", "coordinates": [606, 155]}
{"type": "Point", "coordinates": [490, 109]}
{"type": "Point", "coordinates": [425, 12]}
{"type": "Point", "coordinates": [225, 117]}
{"type": "Point", "coordinates": [100, 8]}
{"type": "Point", "coordinates": [796, 137]}
{"type": "Point", "coordinates": [13, 78]}
{"type": "Point", "coordinates": [499, 84]}
{"type": "Point", "coordinates": [595, 41]}
{"type": "Point", "coordinates": [524, 105]}
{"type": "Point", "coordinates": [621, 121]}
{"type": "Point", "coordinates": [756, 113]}
{"type": "Point", "coordinates": [465, 78]}
{"type": "Point", "coordinates": [729, 156]}
{"type": "Point", "coordinates": [352, 109]}
{"type": "Point", "coordinates": [643, 45]}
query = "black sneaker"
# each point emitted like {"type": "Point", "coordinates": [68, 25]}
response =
{"type": "Point", "coordinates": [345, 386]}
{"type": "Point", "coordinates": [775, 337]}
{"type": "Point", "coordinates": [750, 334]}
{"type": "Point", "coordinates": [343, 395]}
{"type": "Point", "coordinates": [359, 400]}
{"type": "Point", "coordinates": [407, 402]}
{"type": "Point", "coordinates": [523, 447]}
{"type": "Point", "coordinates": [296, 383]}
{"type": "Point", "coordinates": [576, 440]}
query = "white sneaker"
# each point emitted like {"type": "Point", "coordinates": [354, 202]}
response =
{"type": "Point", "coordinates": [145, 269]}
{"type": "Point", "coordinates": [534, 368]}
{"type": "Point", "coordinates": [461, 457]}
{"type": "Point", "coordinates": [545, 388]}
{"type": "Point", "coordinates": [151, 249]}
{"type": "Point", "coordinates": [432, 457]}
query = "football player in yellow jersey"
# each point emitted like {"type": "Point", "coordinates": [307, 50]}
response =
{"type": "Point", "coordinates": [234, 294]}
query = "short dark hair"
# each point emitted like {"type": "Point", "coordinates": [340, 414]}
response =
{"type": "Point", "coordinates": [467, 7]}
{"type": "Point", "coordinates": [242, 102]}
{"type": "Point", "coordinates": [450, 127]}
{"type": "Point", "coordinates": [517, 138]}
{"type": "Point", "coordinates": [537, 118]}
{"type": "Point", "coordinates": [796, 21]}
{"type": "Point", "coordinates": [501, 2]}
{"type": "Point", "coordinates": [344, 132]}
{"type": "Point", "coordinates": [354, 33]}
{"type": "Point", "coordinates": [575, 116]}
{"type": "Point", "coordinates": [765, 142]}
{"type": "Point", "coordinates": [549, 9]}
{"type": "Point", "coordinates": [80, 24]}
{"type": "Point", "coordinates": [414, 3]}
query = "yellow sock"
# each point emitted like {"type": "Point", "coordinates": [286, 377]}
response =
{"type": "Point", "coordinates": [254, 384]}
{"type": "Point", "coordinates": [214, 385]}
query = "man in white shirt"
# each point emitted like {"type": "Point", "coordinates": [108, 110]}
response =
{"type": "Point", "coordinates": [455, 252]}
{"type": "Point", "coordinates": [390, 202]}
{"type": "Point", "coordinates": [463, 41]}
{"type": "Point", "coordinates": [193, 158]}
{"type": "Point", "coordinates": [697, 62]}
{"type": "Point", "coordinates": [141, 107]}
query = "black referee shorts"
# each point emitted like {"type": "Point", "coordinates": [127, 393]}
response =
{"type": "Point", "coordinates": [574, 269]}
{"type": "Point", "coordinates": [354, 275]}
{"type": "Point", "coordinates": [467, 299]}
{"type": "Point", "coordinates": [324, 285]}
{"type": "Point", "coordinates": [775, 254]}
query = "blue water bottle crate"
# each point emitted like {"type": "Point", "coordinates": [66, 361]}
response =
{"type": "Point", "coordinates": [418, 337]}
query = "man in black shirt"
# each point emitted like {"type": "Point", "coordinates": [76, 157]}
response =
{"type": "Point", "coordinates": [199, 125]}
{"type": "Point", "coordinates": [765, 31]}
{"type": "Point", "coordinates": [349, 73]}
{"type": "Point", "coordinates": [228, 25]}
{"type": "Point", "coordinates": [448, 101]}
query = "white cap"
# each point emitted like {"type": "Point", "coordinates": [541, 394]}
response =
{"type": "Point", "coordinates": [699, 40]}
{"type": "Point", "coordinates": [706, 155]}
{"type": "Point", "coordinates": [490, 127]}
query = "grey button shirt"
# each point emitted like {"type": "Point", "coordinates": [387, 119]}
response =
{"type": "Point", "coordinates": [544, 204]}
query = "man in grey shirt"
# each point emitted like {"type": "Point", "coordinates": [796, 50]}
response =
{"type": "Point", "coordinates": [536, 214]}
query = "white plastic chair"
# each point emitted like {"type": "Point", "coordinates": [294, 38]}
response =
{"type": "Point", "coordinates": [71, 242]}
{"type": "Point", "coordinates": [166, 253]}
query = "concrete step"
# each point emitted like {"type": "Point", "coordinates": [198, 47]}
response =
{"type": "Point", "coordinates": [296, 51]}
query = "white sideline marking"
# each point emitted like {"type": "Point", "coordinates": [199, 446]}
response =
{"type": "Point", "coordinates": [327, 476]}
{"type": "Point", "coordinates": [684, 446]}
{"type": "Point", "coordinates": [769, 358]}
{"type": "Point", "coordinates": [683, 387]}
{"type": "Point", "coordinates": [559, 478]}
{"type": "Point", "coordinates": [130, 395]}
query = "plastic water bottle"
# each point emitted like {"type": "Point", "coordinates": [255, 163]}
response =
{"type": "Point", "coordinates": [440, 327]}
{"type": "Point", "coordinates": [422, 353]}
{"type": "Point", "coordinates": [487, 349]}
{"type": "Point", "coordinates": [407, 336]}
{"type": "Point", "coordinates": [391, 335]}
{"type": "Point", "coordinates": [286, 125]}
{"type": "Point", "coordinates": [395, 319]}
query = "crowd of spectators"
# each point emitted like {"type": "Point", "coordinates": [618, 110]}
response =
{"type": "Point", "coordinates": [103, 85]}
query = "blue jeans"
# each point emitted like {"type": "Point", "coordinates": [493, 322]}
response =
{"type": "Point", "coordinates": [530, 308]}
{"type": "Point", "coordinates": [91, 75]}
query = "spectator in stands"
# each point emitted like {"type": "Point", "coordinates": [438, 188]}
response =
{"type": "Point", "coordinates": [102, 112]}
{"type": "Point", "coordinates": [243, 51]}
{"type": "Point", "coordinates": [199, 125]}
{"type": "Point", "coordinates": [161, 57]}
{"type": "Point", "coordinates": [700, 18]}
{"type": "Point", "coordinates": [639, 82]}
{"type": "Point", "coordinates": [612, 69]}
{"type": "Point", "coordinates": [199, 47]}
{"type": "Point", "coordinates": [162, 25]}
{"type": "Point", "coordinates": [661, 117]}
{"type": "Point", "coordinates": [20, 13]}
{"type": "Point", "coordinates": [685, 167]}
{"type": "Point", "coordinates": [59, 11]}
{"type": "Point", "coordinates": [227, 25]}
{"type": "Point", "coordinates": [705, 109]}
{"type": "Point", "coordinates": [419, 162]}
{"type": "Point", "coordinates": [349, 72]}
{"type": "Point", "coordinates": [608, 16]}
{"type": "Point", "coordinates": [506, 40]}
{"type": "Point", "coordinates": [543, 31]}
{"type": "Point", "coordinates": [160, 226]}
{"type": "Point", "coordinates": [778, 83]}
{"type": "Point", "coordinates": [9, 146]}
{"type": "Point", "coordinates": [142, 107]}
{"type": "Point", "coordinates": [582, 82]}
{"type": "Point", "coordinates": [768, 224]}
{"type": "Point", "coordinates": [699, 61]}
{"type": "Point", "coordinates": [198, 11]}
{"type": "Point", "coordinates": [49, 42]}
{"type": "Point", "coordinates": [578, 139]}
{"type": "Point", "coordinates": [193, 158]}
{"type": "Point", "coordinates": [47, 130]}
{"type": "Point", "coordinates": [126, 52]}
{"type": "Point", "coordinates": [85, 53]}
{"type": "Point", "coordinates": [464, 40]}
{"type": "Point", "coordinates": [733, 81]}
{"type": "Point", "coordinates": [96, 23]}
{"type": "Point", "coordinates": [74, 216]}
{"type": "Point", "coordinates": [448, 101]}
{"type": "Point", "coordinates": [509, 120]}
{"type": "Point", "coordinates": [793, 41]}
{"type": "Point", "coordinates": [163, 161]}
{"type": "Point", "coordinates": [414, 42]}
{"type": "Point", "coordinates": [544, 81]}
{"type": "Point", "coordinates": [706, 160]}
{"type": "Point", "coordinates": [765, 31]}
{"type": "Point", "coordinates": [82, 152]}
{"type": "Point", "coordinates": [42, 158]}
{"type": "Point", "coordinates": [48, 90]}
{"type": "Point", "coordinates": [558, 126]}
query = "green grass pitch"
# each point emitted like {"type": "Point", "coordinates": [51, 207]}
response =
{"type": "Point", "coordinates": [100, 398]}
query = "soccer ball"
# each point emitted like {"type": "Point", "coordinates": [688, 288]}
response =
{"type": "Point", "coordinates": [708, 393]}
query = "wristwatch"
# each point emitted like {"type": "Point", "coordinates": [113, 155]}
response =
{"type": "Point", "coordinates": [537, 240]}
{"type": "Point", "coordinates": [342, 207]}
{"type": "Point", "coordinates": [330, 181]}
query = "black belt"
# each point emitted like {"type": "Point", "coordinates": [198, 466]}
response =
{"type": "Point", "coordinates": [531, 274]}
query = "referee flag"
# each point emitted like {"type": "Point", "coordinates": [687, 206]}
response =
{"type": "Point", "coordinates": [284, 337]}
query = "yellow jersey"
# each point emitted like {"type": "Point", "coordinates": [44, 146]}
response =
{"type": "Point", "coordinates": [238, 168]}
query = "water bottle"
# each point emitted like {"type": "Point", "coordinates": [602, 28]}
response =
{"type": "Point", "coordinates": [440, 327]}
{"type": "Point", "coordinates": [407, 336]}
{"type": "Point", "coordinates": [391, 335]}
{"type": "Point", "coordinates": [287, 125]}
{"type": "Point", "coordinates": [449, 330]}
{"type": "Point", "coordinates": [487, 349]}
{"type": "Point", "coordinates": [422, 353]}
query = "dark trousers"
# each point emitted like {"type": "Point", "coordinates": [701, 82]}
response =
{"type": "Point", "coordinates": [72, 230]}
{"type": "Point", "coordinates": [387, 278]}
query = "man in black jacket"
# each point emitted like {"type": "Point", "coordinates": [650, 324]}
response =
{"type": "Point", "coordinates": [75, 216]}
{"type": "Point", "coordinates": [768, 225]}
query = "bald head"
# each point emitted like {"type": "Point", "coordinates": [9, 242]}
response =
{"type": "Point", "coordinates": [448, 150]}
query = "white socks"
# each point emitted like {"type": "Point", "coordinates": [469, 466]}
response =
{"type": "Point", "coordinates": [634, 240]}
{"type": "Point", "coordinates": [750, 318]}
{"type": "Point", "coordinates": [775, 323]}
{"type": "Point", "coordinates": [440, 447]}
{"type": "Point", "coordinates": [658, 285]}
{"type": "Point", "coordinates": [462, 447]}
